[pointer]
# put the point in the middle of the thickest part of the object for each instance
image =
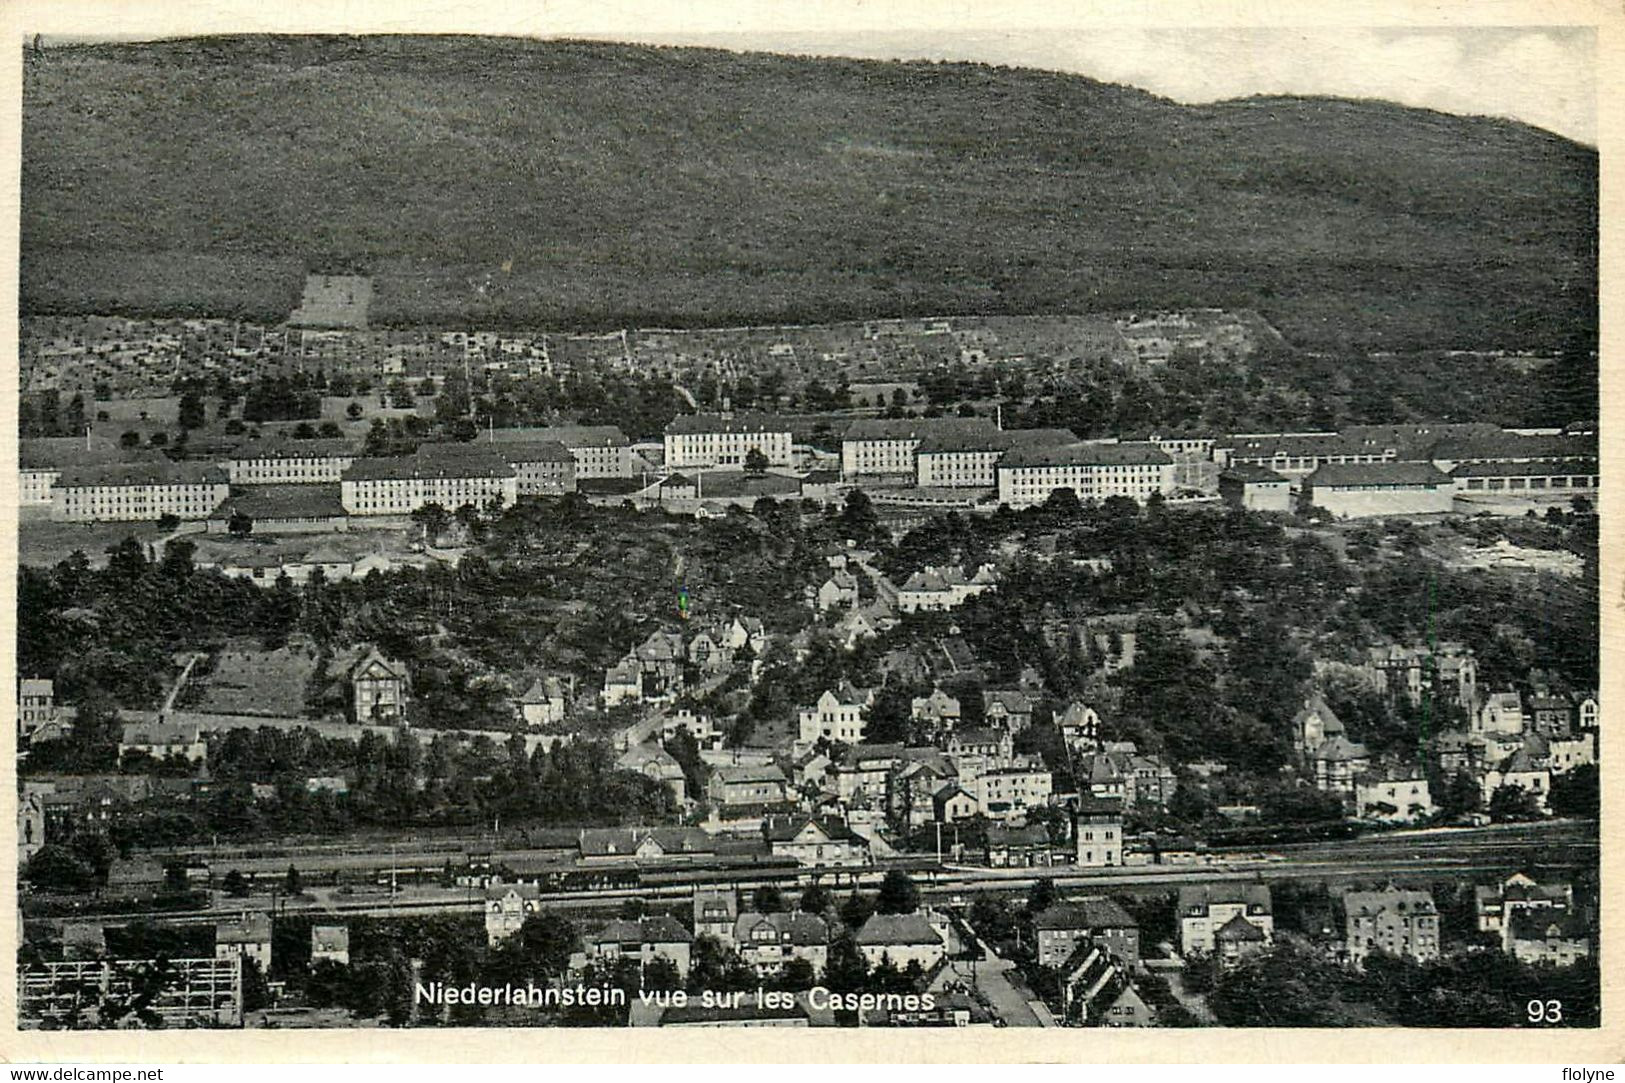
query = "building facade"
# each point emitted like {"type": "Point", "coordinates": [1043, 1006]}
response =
{"type": "Point", "coordinates": [708, 440]}
{"type": "Point", "coordinates": [1030, 475]}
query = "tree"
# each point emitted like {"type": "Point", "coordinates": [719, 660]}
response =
{"type": "Point", "coordinates": [169, 522]}
{"type": "Point", "coordinates": [845, 969]}
{"type": "Point", "coordinates": [330, 430]}
{"type": "Point", "coordinates": [158, 439]}
{"type": "Point", "coordinates": [856, 910]}
{"type": "Point", "coordinates": [239, 525]}
{"type": "Point", "coordinates": [546, 941]}
{"type": "Point", "coordinates": [354, 411]}
{"type": "Point", "coordinates": [1041, 897]}
{"type": "Point", "coordinates": [191, 411]}
{"type": "Point", "coordinates": [293, 883]}
{"type": "Point", "coordinates": [235, 884]}
{"type": "Point", "coordinates": [768, 899]}
{"type": "Point", "coordinates": [55, 867]}
{"type": "Point", "coordinates": [304, 431]}
{"type": "Point", "coordinates": [1511, 804]}
{"type": "Point", "coordinates": [129, 439]}
{"type": "Point", "coordinates": [756, 462]}
{"type": "Point", "coordinates": [815, 899]}
{"type": "Point", "coordinates": [898, 895]}
{"type": "Point", "coordinates": [1576, 792]}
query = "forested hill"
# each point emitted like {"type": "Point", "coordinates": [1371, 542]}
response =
{"type": "Point", "coordinates": [634, 185]}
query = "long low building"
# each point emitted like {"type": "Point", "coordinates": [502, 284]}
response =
{"type": "Point", "coordinates": [1357, 490]}
{"type": "Point", "coordinates": [281, 509]}
{"type": "Point", "coordinates": [1030, 475]}
{"type": "Point", "coordinates": [450, 475]}
{"type": "Point", "coordinates": [1542, 477]}
{"type": "Point", "coordinates": [136, 492]}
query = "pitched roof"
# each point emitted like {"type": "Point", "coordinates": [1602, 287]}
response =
{"type": "Point", "coordinates": [1331, 475]}
{"type": "Point", "coordinates": [897, 930]}
{"type": "Point", "coordinates": [150, 472]}
{"type": "Point", "coordinates": [766, 772]}
{"type": "Point", "coordinates": [1539, 468]}
{"type": "Point", "coordinates": [1546, 923]}
{"type": "Point", "coordinates": [283, 502]}
{"type": "Point", "coordinates": [1206, 895]}
{"type": "Point", "coordinates": [611, 841]}
{"type": "Point", "coordinates": [1250, 472]}
{"type": "Point", "coordinates": [691, 424]}
{"type": "Point", "coordinates": [287, 448]}
{"type": "Point", "coordinates": [1239, 929]}
{"type": "Point", "coordinates": [798, 928]}
{"type": "Point", "coordinates": [1341, 749]}
{"type": "Point", "coordinates": [571, 436]}
{"type": "Point", "coordinates": [1374, 902]}
{"type": "Point", "coordinates": [1090, 912]}
{"type": "Point", "coordinates": [1081, 454]}
{"type": "Point", "coordinates": [659, 929]}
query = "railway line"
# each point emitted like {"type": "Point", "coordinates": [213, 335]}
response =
{"type": "Point", "coordinates": [1409, 855]}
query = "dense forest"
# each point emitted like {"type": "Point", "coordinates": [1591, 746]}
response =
{"type": "Point", "coordinates": [686, 187]}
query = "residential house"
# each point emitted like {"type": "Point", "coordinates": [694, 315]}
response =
{"type": "Point", "coordinates": [702, 728]}
{"type": "Point", "coordinates": [837, 716]}
{"type": "Point", "coordinates": [981, 749]}
{"type": "Point", "coordinates": [1547, 937]}
{"type": "Point", "coordinates": [330, 943]}
{"type": "Point", "coordinates": [902, 939]}
{"type": "Point", "coordinates": [934, 590]}
{"type": "Point", "coordinates": [378, 688]}
{"type": "Point", "coordinates": [623, 683]}
{"type": "Point", "coordinates": [1549, 715]}
{"type": "Point", "coordinates": [646, 939]}
{"type": "Point", "coordinates": [1314, 725]}
{"type": "Point", "coordinates": [1204, 909]}
{"type": "Point", "coordinates": [1521, 771]}
{"type": "Point", "coordinates": [1120, 771]}
{"type": "Point", "coordinates": [951, 804]}
{"type": "Point", "coordinates": [36, 706]}
{"type": "Point", "coordinates": [1061, 928]}
{"type": "Point", "coordinates": [247, 937]}
{"type": "Point", "coordinates": [746, 784]}
{"type": "Point", "coordinates": [715, 913]}
{"type": "Point", "coordinates": [506, 908]}
{"type": "Point", "coordinates": [656, 763]}
{"type": "Point", "coordinates": [1079, 724]}
{"type": "Point", "coordinates": [1006, 793]}
{"type": "Point", "coordinates": [1400, 922]}
{"type": "Point", "coordinates": [1008, 708]}
{"type": "Point", "coordinates": [1502, 714]}
{"type": "Point", "coordinates": [1446, 670]}
{"type": "Point", "coordinates": [1236, 939]}
{"type": "Point", "coordinates": [744, 632]}
{"type": "Point", "coordinates": [161, 741]}
{"type": "Point", "coordinates": [1393, 800]}
{"type": "Point", "coordinates": [1338, 763]}
{"type": "Point", "coordinates": [1495, 904]}
{"type": "Point", "coordinates": [768, 942]}
{"type": "Point", "coordinates": [839, 591]}
{"type": "Point", "coordinates": [939, 709]}
{"type": "Point", "coordinates": [544, 703]}
{"type": "Point", "coordinates": [1564, 754]}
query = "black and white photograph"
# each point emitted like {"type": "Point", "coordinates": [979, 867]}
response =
{"type": "Point", "coordinates": [969, 528]}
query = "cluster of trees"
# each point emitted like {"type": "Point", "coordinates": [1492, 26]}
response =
{"type": "Point", "coordinates": [1294, 986]}
{"type": "Point", "coordinates": [282, 398]}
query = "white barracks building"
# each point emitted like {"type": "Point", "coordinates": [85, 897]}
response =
{"type": "Point", "coordinates": [705, 440]}
{"type": "Point", "coordinates": [134, 492]}
{"type": "Point", "coordinates": [290, 462]}
{"type": "Point", "coordinates": [450, 475]}
{"type": "Point", "coordinates": [1028, 475]}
